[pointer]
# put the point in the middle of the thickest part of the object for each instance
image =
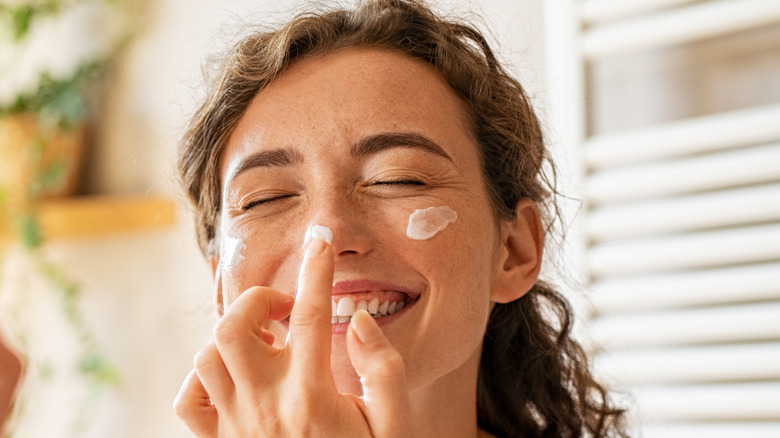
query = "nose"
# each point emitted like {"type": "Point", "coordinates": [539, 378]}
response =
{"type": "Point", "coordinates": [347, 220]}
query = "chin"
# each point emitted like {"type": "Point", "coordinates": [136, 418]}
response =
{"type": "Point", "coordinates": [344, 376]}
{"type": "Point", "coordinates": [346, 379]}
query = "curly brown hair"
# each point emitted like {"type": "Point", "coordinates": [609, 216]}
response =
{"type": "Point", "coordinates": [534, 379]}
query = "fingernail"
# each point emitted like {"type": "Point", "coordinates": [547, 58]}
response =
{"type": "Point", "coordinates": [316, 246]}
{"type": "Point", "coordinates": [363, 325]}
{"type": "Point", "coordinates": [315, 239]}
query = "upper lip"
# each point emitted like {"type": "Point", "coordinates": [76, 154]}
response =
{"type": "Point", "coordinates": [364, 285]}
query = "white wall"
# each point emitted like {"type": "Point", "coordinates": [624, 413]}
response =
{"type": "Point", "coordinates": [147, 295]}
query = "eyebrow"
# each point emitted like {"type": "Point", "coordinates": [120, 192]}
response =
{"type": "Point", "coordinates": [370, 145]}
{"type": "Point", "coordinates": [379, 142]}
{"type": "Point", "coordinates": [270, 158]}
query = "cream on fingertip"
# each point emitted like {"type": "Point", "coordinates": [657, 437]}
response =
{"type": "Point", "coordinates": [319, 232]}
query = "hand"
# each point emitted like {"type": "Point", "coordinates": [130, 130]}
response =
{"type": "Point", "coordinates": [10, 374]}
{"type": "Point", "coordinates": [242, 386]}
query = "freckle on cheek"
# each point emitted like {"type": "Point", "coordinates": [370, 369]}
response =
{"type": "Point", "coordinates": [426, 223]}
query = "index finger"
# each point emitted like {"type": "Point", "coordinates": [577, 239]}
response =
{"type": "Point", "coordinates": [241, 335]}
{"type": "Point", "coordinates": [310, 327]}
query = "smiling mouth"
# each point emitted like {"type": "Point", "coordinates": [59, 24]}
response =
{"type": "Point", "coordinates": [344, 307]}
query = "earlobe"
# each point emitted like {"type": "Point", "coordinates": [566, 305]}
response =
{"type": "Point", "coordinates": [522, 241]}
{"type": "Point", "coordinates": [216, 271]}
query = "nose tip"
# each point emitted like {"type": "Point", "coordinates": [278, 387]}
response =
{"type": "Point", "coordinates": [343, 240]}
{"type": "Point", "coordinates": [342, 213]}
{"type": "Point", "coordinates": [344, 236]}
{"type": "Point", "coordinates": [319, 232]}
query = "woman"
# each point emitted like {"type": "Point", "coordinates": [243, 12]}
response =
{"type": "Point", "coordinates": [368, 188]}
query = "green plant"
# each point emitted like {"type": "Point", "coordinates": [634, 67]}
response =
{"type": "Point", "coordinates": [18, 18]}
{"type": "Point", "coordinates": [58, 102]}
{"type": "Point", "coordinates": [60, 106]}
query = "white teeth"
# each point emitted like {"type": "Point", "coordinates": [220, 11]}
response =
{"type": "Point", "coordinates": [343, 309]}
{"type": "Point", "coordinates": [373, 306]}
{"type": "Point", "coordinates": [346, 307]}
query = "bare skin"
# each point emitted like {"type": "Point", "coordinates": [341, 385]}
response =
{"type": "Point", "coordinates": [10, 374]}
{"type": "Point", "coordinates": [412, 374]}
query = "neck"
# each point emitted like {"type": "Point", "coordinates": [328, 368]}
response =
{"type": "Point", "coordinates": [448, 406]}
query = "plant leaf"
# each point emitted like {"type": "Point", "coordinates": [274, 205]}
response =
{"type": "Point", "coordinates": [30, 231]}
{"type": "Point", "coordinates": [22, 18]}
{"type": "Point", "coordinates": [52, 177]}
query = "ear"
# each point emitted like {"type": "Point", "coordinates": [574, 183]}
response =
{"type": "Point", "coordinates": [520, 254]}
{"type": "Point", "coordinates": [216, 272]}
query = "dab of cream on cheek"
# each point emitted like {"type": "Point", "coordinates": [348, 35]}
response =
{"type": "Point", "coordinates": [426, 223]}
{"type": "Point", "coordinates": [231, 253]}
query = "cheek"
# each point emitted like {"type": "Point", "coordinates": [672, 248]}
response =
{"type": "Point", "coordinates": [459, 263]}
{"type": "Point", "coordinates": [231, 255]}
{"type": "Point", "coordinates": [250, 258]}
{"type": "Point", "coordinates": [462, 261]}
{"type": "Point", "coordinates": [426, 223]}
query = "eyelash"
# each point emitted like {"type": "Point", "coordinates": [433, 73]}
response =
{"type": "Point", "coordinates": [265, 201]}
{"type": "Point", "coordinates": [410, 182]}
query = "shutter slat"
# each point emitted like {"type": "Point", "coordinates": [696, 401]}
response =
{"type": "Point", "coordinates": [689, 288]}
{"type": "Point", "coordinates": [692, 250]}
{"type": "Point", "coordinates": [712, 430]}
{"type": "Point", "coordinates": [691, 364]}
{"type": "Point", "coordinates": [595, 11]}
{"type": "Point", "coordinates": [681, 25]}
{"type": "Point", "coordinates": [744, 401]}
{"type": "Point", "coordinates": [685, 137]}
{"type": "Point", "coordinates": [686, 213]}
{"type": "Point", "coordinates": [681, 226]}
{"type": "Point", "coordinates": [738, 323]}
{"type": "Point", "coordinates": [755, 165]}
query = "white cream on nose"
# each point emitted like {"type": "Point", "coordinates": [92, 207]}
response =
{"type": "Point", "coordinates": [320, 232]}
{"type": "Point", "coordinates": [426, 223]}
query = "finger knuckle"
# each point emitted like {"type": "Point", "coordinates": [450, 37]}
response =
{"type": "Point", "coordinates": [205, 356]}
{"type": "Point", "coordinates": [389, 363]}
{"type": "Point", "coordinates": [229, 330]}
{"type": "Point", "coordinates": [182, 409]}
{"type": "Point", "coordinates": [310, 319]}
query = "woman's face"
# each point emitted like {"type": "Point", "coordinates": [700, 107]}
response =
{"type": "Point", "coordinates": [357, 141]}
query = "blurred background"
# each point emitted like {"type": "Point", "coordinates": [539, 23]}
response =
{"type": "Point", "coordinates": [663, 115]}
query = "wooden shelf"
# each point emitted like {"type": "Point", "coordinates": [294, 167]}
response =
{"type": "Point", "coordinates": [90, 216]}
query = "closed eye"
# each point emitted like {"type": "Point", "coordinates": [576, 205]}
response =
{"type": "Point", "coordinates": [265, 201]}
{"type": "Point", "coordinates": [409, 182]}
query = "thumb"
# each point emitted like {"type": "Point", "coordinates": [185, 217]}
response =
{"type": "Point", "coordinates": [382, 374]}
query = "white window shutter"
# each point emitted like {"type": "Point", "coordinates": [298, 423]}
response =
{"type": "Point", "coordinates": [681, 218]}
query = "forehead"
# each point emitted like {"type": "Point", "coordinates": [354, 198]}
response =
{"type": "Point", "coordinates": [343, 96]}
